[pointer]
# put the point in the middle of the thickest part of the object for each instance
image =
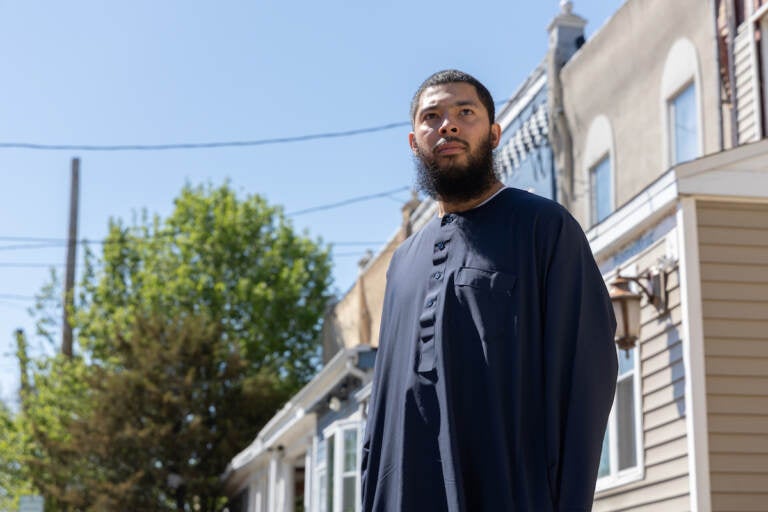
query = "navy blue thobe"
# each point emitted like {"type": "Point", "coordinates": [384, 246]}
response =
{"type": "Point", "coordinates": [496, 365]}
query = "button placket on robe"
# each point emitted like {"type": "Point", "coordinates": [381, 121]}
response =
{"type": "Point", "coordinates": [427, 353]}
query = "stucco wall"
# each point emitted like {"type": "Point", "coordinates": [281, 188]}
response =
{"type": "Point", "coordinates": [356, 318]}
{"type": "Point", "coordinates": [618, 74]}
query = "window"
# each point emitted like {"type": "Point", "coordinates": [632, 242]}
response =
{"type": "Point", "coordinates": [324, 472]}
{"type": "Point", "coordinates": [600, 185]}
{"type": "Point", "coordinates": [331, 471]}
{"type": "Point", "coordinates": [684, 132]}
{"type": "Point", "coordinates": [349, 471]}
{"type": "Point", "coordinates": [337, 469]}
{"type": "Point", "coordinates": [599, 174]}
{"type": "Point", "coordinates": [619, 461]}
{"type": "Point", "coordinates": [680, 86]}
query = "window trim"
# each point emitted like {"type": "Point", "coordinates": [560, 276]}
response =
{"type": "Point", "coordinates": [593, 215]}
{"type": "Point", "coordinates": [333, 429]}
{"type": "Point", "coordinates": [318, 466]}
{"type": "Point", "coordinates": [599, 145]}
{"type": "Point", "coordinates": [355, 473]}
{"type": "Point", "coordinates": [681, 69]}
{"type": "Point", "coordinates": [672, 134]}
{"type": "Point", "coordinates": [637, 472]}
{"type": "Point", "coordinates": [760, 76]}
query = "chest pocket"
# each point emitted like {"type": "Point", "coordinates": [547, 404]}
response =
{"type": "Point", "coordinates": [486, 303]}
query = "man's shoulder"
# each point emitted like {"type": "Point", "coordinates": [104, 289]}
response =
{"type": "Point", "coordinates": [532, 207]}
{"type": "Point", "coordinates": [412, 243]}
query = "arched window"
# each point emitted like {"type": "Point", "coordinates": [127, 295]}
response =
{"type": "Point", "coordinates": [599, 169]}
{"type": "Point", "coordinates": [681, 104]}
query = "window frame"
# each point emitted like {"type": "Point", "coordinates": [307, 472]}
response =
{"type": "Point", "coordinates": [616, 477]}
{"type": "Point", "coordinates": [320, 476]}
{"type": "Point", "coordinates": [671, 122]}
{"type": "Point", "coordinates": [598, 145]}
{"type": "Point", "coordinates": [337, 430]}
{"type": "Point", "coordinates": [355, 472]}
{"type": "Point", "coordinates": [593, 209]}
{"type": "Point", "coordinates": [681, 69]}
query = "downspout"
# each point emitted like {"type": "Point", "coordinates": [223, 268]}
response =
{"type": "Point", "coordinates": [732, 72]}
{"type": "Point", "coordinates": [715, 17]}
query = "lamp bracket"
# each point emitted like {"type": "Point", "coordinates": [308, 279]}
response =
{"type": "Point", "coordinates": [656, 288]}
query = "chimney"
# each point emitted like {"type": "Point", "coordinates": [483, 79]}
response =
{"type": "Point", "coordinates": [364, 315]}
{"type": "Point", "coordinates": [566, 36]}
{"type": "Point", "coordinates": [408, 209]}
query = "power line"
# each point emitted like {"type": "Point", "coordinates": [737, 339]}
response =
{"type": "Point", "coordinates": [346, 202]}
{"type": "Point", "coordinates": [29, 246]}
{"type": "Point", "coordinates": [199, 145]}
{"type": "Point", "coordinates": [13, 264]}
{"type": "Point", "coordinates": [47, 243]}
{"type": "Point", "coordinates": [24, 264]}
{"type": "Point", "coordinates": [63, 241]}
{"type": "Point", "coordinates": [30, 239]}
{"type": "Point", "coordinates": [105, 242]}
{"type": "Point", "coordinates": [14, 305]}
{"type": "Point", "coordinates": [11, 296]}
{"type": "Point", "coordinates": [207, 145]}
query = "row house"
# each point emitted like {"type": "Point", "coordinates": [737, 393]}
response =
{"type": "Point", "coordinates": [652, 134]}
{"type": "Point", "coordinates": [665, 113]}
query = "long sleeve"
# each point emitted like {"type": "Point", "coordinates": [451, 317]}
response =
{"type": "Point", "coordinates": [581, 367]}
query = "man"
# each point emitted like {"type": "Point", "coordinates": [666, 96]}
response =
{"type": "Point", "coordinates": [496, 365]}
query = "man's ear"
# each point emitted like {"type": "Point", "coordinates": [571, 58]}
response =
{"type": "Point", "coordinates": [412, 142]}
{"type": "Point", "coordinates": [495, 135]}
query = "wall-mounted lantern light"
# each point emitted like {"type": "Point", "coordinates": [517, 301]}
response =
{"type": "Point", "coordinates": [334, 404]}
{"type": "Point", "coordinates": [626, 303]}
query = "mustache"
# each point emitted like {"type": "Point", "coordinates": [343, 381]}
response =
{"type": "Point", "coordinates": [446, 140]}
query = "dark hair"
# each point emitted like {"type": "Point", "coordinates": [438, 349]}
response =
{"type": "Point", "coordinates": [449, 76]}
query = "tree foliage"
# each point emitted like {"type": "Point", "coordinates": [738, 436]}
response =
{"type": "Point", "coordinates": [239, 263]}
{"type": "Point", "coordinates": [191, 331]}
{"type": "Point", "coordinates": [13, 478]}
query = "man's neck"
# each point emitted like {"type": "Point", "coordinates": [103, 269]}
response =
{"type": "Point", "coordinates": [444, 207]}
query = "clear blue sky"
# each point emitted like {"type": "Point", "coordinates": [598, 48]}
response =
{"type": "Point", "coordinates": [164, 72]}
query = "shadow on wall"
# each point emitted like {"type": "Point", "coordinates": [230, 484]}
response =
{"type": "Point", "coordinates": [675, 354]}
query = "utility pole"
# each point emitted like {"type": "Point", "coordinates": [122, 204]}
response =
{"type": "Point", "coordinates": [69, 282]}
{"type": "Point", "coordinates": [23, 357]}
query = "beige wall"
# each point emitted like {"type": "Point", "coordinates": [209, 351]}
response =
{"type": "Point", "coordinates": [664, 485]}
{"type": "Point", "coordinates": [356, 318]}
{"type": "Point", "coordinates": [733, 247]}
{"type": "Point", "coordinates": [618, 74]}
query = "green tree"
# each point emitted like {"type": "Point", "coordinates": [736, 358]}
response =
{"type": "Point", "coordinates": [190, 331]}
{"type": "Point", "coordinates": [166, 423]}
{"type": "Point", "coordinates": [240, 263]}
{"type": "Point", "coordinates": [13, 478]}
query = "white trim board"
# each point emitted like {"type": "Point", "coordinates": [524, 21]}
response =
{"type": "Point", "coordinates": [293, 416]}
{"type": "Point", "coordinates": [641, 212]}
{"type": "Point", "coordinates": [693, 357]}
{"type": "Point", "coordinates": [739, 174]}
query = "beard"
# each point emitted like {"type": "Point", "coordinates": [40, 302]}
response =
{"type": "Point", "coordinates": [453, 181]}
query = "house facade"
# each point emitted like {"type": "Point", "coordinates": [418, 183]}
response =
{"type": "Point", "coordinates": [665, 112]}
{"type": "Point", "coordinates": [652, 134]}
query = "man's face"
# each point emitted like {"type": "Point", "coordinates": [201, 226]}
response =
{"type": "Point", "coordinates": [452, 140]}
